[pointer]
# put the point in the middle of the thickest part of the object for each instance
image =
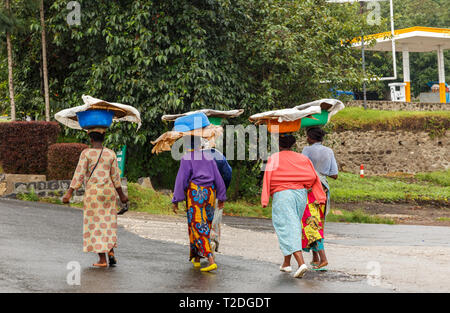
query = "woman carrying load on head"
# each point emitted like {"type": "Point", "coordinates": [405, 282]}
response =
{"type": "Point", "coordinates": [198, 183]}
{"type": "Point", "coordinates": [287, 177]}
{"type": "Point", "coordinates": [225, 171]}
{"type": "Point", "coordinates": [314, 218]}
{"type": "Point", "coordinates": [98, 170]}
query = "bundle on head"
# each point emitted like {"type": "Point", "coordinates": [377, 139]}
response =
{"type": "Point", "coordinates": [286, 141]}
{"type": "Point", "coordinates": [316, 133]}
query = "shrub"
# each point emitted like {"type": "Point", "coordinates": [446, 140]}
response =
{"type": "Point", "coordinates": [63, 160]}
{"type": "Point", "coordinates": [32, 196]}
{"type": "Point", "coordinates": [24, 146]}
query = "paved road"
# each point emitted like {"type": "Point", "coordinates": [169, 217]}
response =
{"type": "Point", "coordinates": [37, 241]}
{"type": "Point", "coordinates": [364, 234]}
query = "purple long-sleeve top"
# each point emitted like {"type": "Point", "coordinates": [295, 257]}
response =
{"type": "Point", "coordinates": [200, 168]}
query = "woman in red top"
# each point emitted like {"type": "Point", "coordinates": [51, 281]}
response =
{"type": "Point", "coordinates": [287, 178]}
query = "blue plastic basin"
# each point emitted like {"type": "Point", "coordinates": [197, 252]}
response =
{"type": "Point", "coordinates": [95, 118]}
{"type": "Point", "coordinates": [191, 122]}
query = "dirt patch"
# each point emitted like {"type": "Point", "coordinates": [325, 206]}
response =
{"type": "Point", "coordinates": [403, 213]}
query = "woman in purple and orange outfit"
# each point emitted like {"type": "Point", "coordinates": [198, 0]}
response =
{"type": "Point", "coordinates": [199, 183]}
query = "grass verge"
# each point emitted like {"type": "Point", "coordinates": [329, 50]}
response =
{"type": "Point", "coordinates": [33, 197]}
{"type": "Point", "coordinates": [148, 200]}
{"type": "Point", "coordinates": [351, 188]}
{"type": "Point", "coordinates": [353, 118]}
{"type": "Point", "coordinates": [440, 178]}
{"type": "Point", "coordinates": [357, 216]}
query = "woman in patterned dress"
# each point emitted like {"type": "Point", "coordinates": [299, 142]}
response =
{"type": "Point", "coordinates": [313, 220]}
{"type": "Point", "coordinates": [102, 181]}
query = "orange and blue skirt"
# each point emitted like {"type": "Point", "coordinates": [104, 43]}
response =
{"type": "Point", "coordinates": [200, 214]}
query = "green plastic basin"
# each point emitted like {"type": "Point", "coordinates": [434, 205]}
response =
{"type": "Point", "coordinates": [215, 120]}
{"type": "Point", "coordinates": [318, 119]}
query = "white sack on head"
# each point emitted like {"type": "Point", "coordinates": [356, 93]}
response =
{"type": "Point", "coordinates": [331, 105]}
{"type": "Point", "coordinates": [69, 118]}
{"type": "Point", "coordinates": [285, 115]}
{"type": "Point", "coordinates": [208, 112]}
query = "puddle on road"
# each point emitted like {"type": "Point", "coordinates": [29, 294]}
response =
{"type": "Point", "coordinates": [333, 276]}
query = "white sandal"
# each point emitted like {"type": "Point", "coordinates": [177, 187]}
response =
{"type": "Point", "coordinates": [301, 271]}
{"type": "Point", "coordinates": [286, 269]}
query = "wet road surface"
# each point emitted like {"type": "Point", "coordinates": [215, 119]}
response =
{"type": "Point", "coordinates": [363, 234]}
{"type": "Point", "coordinates": [38, 240]}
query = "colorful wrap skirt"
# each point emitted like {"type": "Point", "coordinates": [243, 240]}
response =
{"type": "Point", "coordinates": [200, 214]}
{"type": "Point", "coordinates": [287, 211]}
{"type": "Point", "coordinates": [313, 223]}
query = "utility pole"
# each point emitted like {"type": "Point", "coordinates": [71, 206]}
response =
{"type": "Point", "coordinates": [363, 61]}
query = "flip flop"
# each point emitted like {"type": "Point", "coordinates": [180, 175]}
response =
{"type": "Point", "coordinates": [100, 264]}
{"type": "Point", "coordinates": [209, 268]}
{"type": "Point", "coordinates": [124, 209]}
{"type": "Point", "coordinates": [196, 264]}
{"type": "Point", "coordinates": [320, 268]}
{"type": "Point", "coordinates": [111, 258]}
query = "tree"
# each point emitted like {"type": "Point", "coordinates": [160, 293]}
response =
{"type": "Point", "coordinates": [44, 62]}
{"type": "Point", "coordinates": [8, 26]}
{"type": "Point", "coordinates": [172, 56]}
{"type": "Point", "coordinates": [10, 23]}
{"type": "Point", "coordinates": [290, 48]}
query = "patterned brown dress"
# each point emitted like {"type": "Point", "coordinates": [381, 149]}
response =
{"type": "Point", "coordinates": [100, 213]}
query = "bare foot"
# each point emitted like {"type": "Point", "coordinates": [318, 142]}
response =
{"type": "Point", "coordinates": [316, 259]}
{"type": "Point", "coordinates": [322, 264]}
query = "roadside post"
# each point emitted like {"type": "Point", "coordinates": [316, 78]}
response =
{"type": "Point", "coordinates": [121, 159]}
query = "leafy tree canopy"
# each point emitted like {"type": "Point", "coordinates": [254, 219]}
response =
{"type": "Point", "coordinates": [171, 56]}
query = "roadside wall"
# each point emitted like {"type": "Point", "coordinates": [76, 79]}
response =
{"type": "Point", "coordinates": [8, 181]}
{"type": "Point", "coordinates": [400, 106]}
{"type": "Point", "coordinates": [384, 152]}
{"type": "Point", "coordinates": [42, 188]}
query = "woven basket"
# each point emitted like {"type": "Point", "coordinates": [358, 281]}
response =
{"type": "Point", "coordinates": [118, 112]}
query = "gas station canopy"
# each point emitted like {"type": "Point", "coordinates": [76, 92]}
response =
{"type": "Point", "coordinates": [416, 39]}
{"type": "Point", "coordinates": [413, 39]}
